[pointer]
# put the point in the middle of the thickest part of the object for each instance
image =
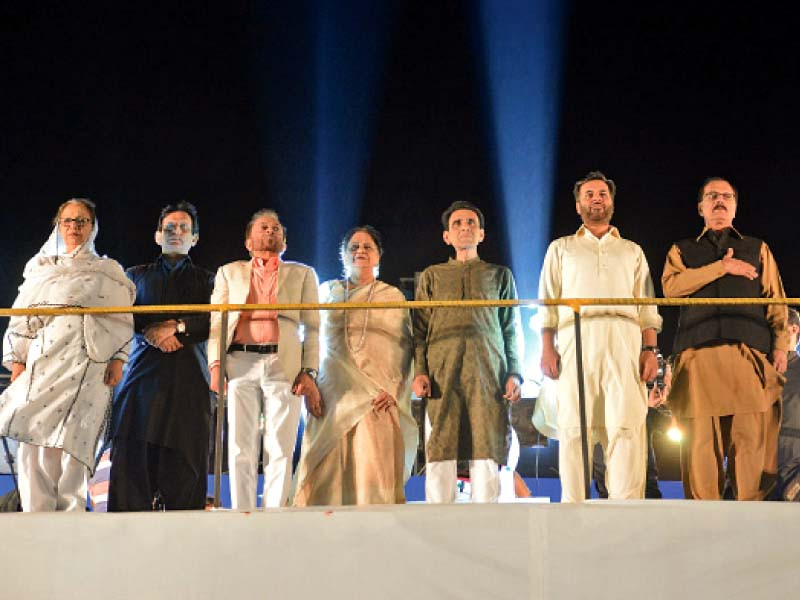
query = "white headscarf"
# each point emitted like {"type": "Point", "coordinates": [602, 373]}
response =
{"type": "Point", "coordinates": [56, 246]}
{"type": "Point", "coordinates": [79, 278]}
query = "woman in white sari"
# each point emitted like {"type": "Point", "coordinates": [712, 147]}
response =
{"type": "Point", "coordinates": [360, 451]}
{"type": "Point", "coordinates": [64, 368]}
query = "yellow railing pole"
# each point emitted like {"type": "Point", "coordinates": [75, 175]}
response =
{"type": "Point", "coordinates": [405, 304]}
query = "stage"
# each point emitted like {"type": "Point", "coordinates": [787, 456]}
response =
{"type": "Point", "coordinates": [601, 549]}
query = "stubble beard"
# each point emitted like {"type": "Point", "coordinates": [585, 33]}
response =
{"type": "Point", "coordinates": [598, 217]}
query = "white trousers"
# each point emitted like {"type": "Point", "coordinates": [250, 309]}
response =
{"type": "Point", "coordinates": [256, 386]}
{"type": "Point", "coordinates": [441, 479]}
{"type": "Point", "coordinates": [50, 479]}
{"type": "Point", "coordinates": [625, 453]}
{"type": "Point", "coordinates": [616, 407]}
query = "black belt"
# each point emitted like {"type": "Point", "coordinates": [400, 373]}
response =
{"type": "Point", "coordinates": [259, 348]}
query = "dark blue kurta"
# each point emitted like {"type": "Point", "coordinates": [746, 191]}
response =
{"type": "Point", "coordinates": [164, 398]}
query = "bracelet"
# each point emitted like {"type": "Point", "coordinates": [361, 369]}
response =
{"type": "Point", "coordinates": [654, 349]}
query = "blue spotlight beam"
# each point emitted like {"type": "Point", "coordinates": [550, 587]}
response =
{"type": "Point", "coordinates": [284, 75]}
{"type": "Point", "coordinates": [522, 44]}
{"type": "Point", "coordinates": [351, 45]}
{"type": "Point", "coordinates": [319, 69]}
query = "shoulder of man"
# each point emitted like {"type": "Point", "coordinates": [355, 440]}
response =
{"type": "Point", "coordinates": [236, 264]}
{"type": "Point", "coordinates": [753, 239]}
{"type": "Point", "coordinates": [137, 270]}
{"type": "Point", "coordinates": [500, 269]}
{"type": "Point", "coordinates": [561, 242]}
{"type": "Point", "coordinates": [200, 271]}
{"type": "Point", "coordinates": [296, 266]}
{"type": "Point", "coordinates": [631, 244]}
{"type": "Point", "coordinates": [436, 267]}
{"type": "Point", "coordinates": [294, 263]}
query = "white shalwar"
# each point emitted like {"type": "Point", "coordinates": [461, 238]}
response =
{"type": "Point", "coordinates": [583, 266]}
{"type": "Point", "coordinates": [60, 401]}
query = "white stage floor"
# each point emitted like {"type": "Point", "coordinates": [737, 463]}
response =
{"type": "Point", "coordinates": [643, 549]}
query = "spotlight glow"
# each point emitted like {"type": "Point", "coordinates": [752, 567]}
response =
{"type": "Point", "coordinates": [320, 64]}
{"type": "Point", "coordinates": [350, 58]}
{"type": "Point", "coordinates": [522, 49]}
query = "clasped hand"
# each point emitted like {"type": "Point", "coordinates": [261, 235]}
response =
{"type": "Point", "coordinates": [383, 401]}
{"type": "Point", "coordinates": [162, 336]}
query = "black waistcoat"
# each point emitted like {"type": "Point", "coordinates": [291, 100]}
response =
{"type": "Point", "coordinates": [703, 325]}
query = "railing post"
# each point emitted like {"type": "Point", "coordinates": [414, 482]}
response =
{"type": "Point", "coordinates": [582, 404]}
{"type": "Point", "coordinates": [221, 397]}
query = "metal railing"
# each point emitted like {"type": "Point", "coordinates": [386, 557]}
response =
{"type": "Point", "coordinates": [575, 304]}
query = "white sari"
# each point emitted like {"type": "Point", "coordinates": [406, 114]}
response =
{"type": "Point", "coordinates": [60, 400]}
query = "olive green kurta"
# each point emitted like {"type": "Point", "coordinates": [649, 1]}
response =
{"type": "Point", "coordinates": [467, 353]}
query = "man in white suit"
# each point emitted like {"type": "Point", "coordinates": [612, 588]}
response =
{"type": "Point", "coordinates": [269, 364]}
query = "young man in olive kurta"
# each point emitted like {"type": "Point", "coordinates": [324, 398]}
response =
{"type": "Point", "coordinates": [466, 362]}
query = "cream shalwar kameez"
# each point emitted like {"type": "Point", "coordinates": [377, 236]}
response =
{"type": "Point", "coordinates": [583, 266]}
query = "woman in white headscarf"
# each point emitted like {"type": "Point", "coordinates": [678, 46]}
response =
{"type": "Point", "coordinates": [360, 451]}
{"type": "Point", "coordinates": [64, 368]}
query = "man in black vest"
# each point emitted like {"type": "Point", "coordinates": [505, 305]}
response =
{"type": "Point", "coordinates": [727, 381]}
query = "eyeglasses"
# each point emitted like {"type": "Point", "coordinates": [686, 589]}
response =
{"type": "Point", "coordinates": [366, 247]}
{"type": "Point", "coordinates": [79, 223]}
{"type": "Point", "coordinates": [715, 195]}
{"type": "Point", "coordinates": [172, 228]}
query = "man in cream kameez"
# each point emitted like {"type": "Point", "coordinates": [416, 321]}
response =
{"type": "Point", "coordinates": [619, 344]}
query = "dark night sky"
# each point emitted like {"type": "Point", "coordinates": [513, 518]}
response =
{"type": "Point", "coordinates": [140, 107]}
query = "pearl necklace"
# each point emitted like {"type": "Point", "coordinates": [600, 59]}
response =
{"type": "Point", "coordinates": [363, 337]}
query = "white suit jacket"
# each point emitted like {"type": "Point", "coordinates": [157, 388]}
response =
{"type": "Point", "coordinates": [296, 283]}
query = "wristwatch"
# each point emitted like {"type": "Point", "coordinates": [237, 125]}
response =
{"type": "Point", "coordinates": [180, 327]}
{"type": "Point", "coordinates": [654, 349]}
{"type": "Point", "coordinates": [310, 372]}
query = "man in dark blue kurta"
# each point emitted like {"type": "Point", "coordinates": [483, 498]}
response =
{"type": "Point", "coordinates": [162, 410]}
